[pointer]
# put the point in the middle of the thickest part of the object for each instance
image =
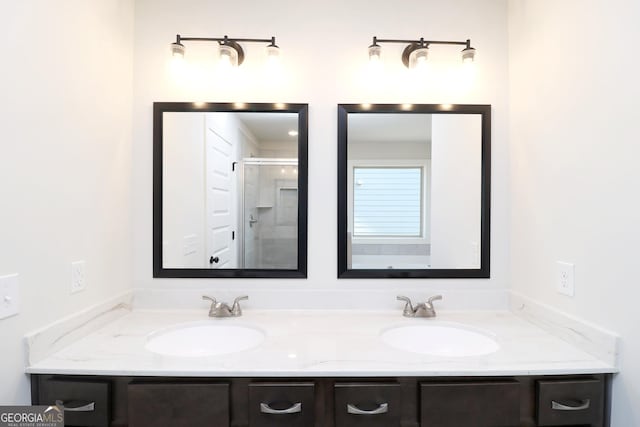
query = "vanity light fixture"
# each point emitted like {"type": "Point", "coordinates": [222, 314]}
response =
{"type": "Point", "coordinates": [230, 51]}
{"type": "Point", "coordinates": [417, 51]}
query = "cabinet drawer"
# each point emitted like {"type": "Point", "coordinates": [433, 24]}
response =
{"type": "Point", "coordinates": [178, 404]}
{"type": "Point", "coordinates": [367, 404]}
{"type": "Point", "coordinates": [281, 404]}
{"type": "Point", "coordinates": [470, 404]}
{"type": "Point", "coordinates": [87, 403]}
{"type": "Point", "coordinates": [570, 403]}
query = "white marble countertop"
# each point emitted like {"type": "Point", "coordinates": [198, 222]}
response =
{"type": "Point", "coordinates": [333, 343]}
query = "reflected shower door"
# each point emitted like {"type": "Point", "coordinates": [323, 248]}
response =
{"type": "Point", "coordinates": [270, 213]}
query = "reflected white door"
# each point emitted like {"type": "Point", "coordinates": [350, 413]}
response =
{"type": "Point", "coordinates": [219, 154]}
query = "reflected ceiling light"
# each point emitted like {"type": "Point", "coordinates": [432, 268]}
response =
{"type": "Point", "coordinates": [230, 50]}
{"type": "Point", "coordinates": [416, 53]}
{"type": "Point", "coordinates": [239, 105]}
{"type": "Point", "coordinates": [293, 133]}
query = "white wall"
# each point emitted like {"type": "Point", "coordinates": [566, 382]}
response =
{"type": "Point", "coordinates": [324, 55]}
{"type": "Point", "coordinates": [456, 191]}
{"type": "Point", "coordinates": [183, 190]}
{"type": "Point", "coordinates": [574, 166]}
{"type": "Point", "coordinates": [65, 162]}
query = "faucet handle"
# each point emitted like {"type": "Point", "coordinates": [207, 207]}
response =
{"type": "Point", "coordinates": [408, 307]}
{"type": "Point", "coordinates": [434, 298]}
{"type": "Point", "coordinates": [213, 300]}
{"type": "Point", "coordinates": [236, 310]}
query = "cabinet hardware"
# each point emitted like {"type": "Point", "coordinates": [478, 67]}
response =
{"type": "Point", "coordinates": [77, 405]}
{"type": "Point", "coordinates": [293, 409]}
{"type": "Point", "coordinates": [383, 408]}
{"type": "Point", "coordinates": [573, 405]}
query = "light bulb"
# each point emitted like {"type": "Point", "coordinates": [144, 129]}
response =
{"type": "Point", "coordinates": [418, 58]}
{"type": "Point", "coordinates": [273, 54]}
{"type": "Point", "coordinates": [177, 50]}
{"type": "Point", "coordinates": [374, 53]}
{"type": "Point", "coordinates": [228, 56]}
{"type": "Point", "coordinates": [468, 55]}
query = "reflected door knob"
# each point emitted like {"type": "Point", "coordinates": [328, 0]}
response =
{"type": "Point", "coordinates": [213, 260]}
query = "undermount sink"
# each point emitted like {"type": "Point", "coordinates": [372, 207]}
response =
{"type": "Point", "coordinates": [203, 339]}
{"type": "Point", "coordinates": [445, 340]}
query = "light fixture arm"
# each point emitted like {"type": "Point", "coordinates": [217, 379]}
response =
{"type": "Point", "coordinates": [413, 46]}
{"type": "Point", "coordinates": [422, 41]}
{"type": "Point", "coordinates": [234, 44]}
{"type": "Point", "coordinates": [223, 40]}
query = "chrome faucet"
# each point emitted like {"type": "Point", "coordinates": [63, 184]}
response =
{"type": "Point", "coordinates": [423, 309]}
{"type": "Point", "coordinates": [222, 309]}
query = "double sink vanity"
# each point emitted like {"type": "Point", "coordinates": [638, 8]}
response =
{"type": "Point", "coordinates": [230, 201]}
{"type": "Point", "coordinates": [323, 368]}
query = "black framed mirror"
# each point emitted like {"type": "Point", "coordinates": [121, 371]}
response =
{"type": "Point", "coordinates": [414, 190]}
{"type": "Point", "coordinates": [230, 190]}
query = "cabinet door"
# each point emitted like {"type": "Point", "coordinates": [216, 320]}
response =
{"type": "Point", "coordinates": [570, 403]}
{"type": "Point", "coordinates": [178, 405]}
{"type": "Point", "coordinates": [470, 404]}
{"type": "Point", "coordinates": [367, 404]}
{"type": "Point", "coordinates": [281, 404]}
{"type": "Point", "coordinates": [86, 403]}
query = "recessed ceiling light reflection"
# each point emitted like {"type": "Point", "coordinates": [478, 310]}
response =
{"type": "Point", "coordinates": [365, 106]}
{"type": "Point", "coordinates": [280, 105]}
{"type": "Point", "coordinates": [407, 107]}
{"type": "Point", "coordinates": [239, 105]}
{"type": "Point", "coordinates": [446, 106]}
{"type": "Point", "coordinates": [199, 104]}
{"type": "Point", "coordinates": [293, 133]}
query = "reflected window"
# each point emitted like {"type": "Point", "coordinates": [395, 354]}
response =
{"type": "Point", "coordinates": [387, 201]}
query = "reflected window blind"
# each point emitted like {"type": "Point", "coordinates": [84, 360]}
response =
{"type": "Point", "coordinates": [387, 201]}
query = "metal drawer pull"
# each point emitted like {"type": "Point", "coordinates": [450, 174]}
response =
{"type": "Point", "coordinates": [77, 405]}
{"type": "Point", "coordinates": [576, 405]}
{"type": "Point", "coordinates": [293, 409]}
{"type": "Point", "coordinates": [382, 409]}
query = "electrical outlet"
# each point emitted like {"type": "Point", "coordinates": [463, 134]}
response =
{"type": "Point", "coordinates": [78, 279]}
{"type": "Point", "coordinates": [565, 274]}
{"type": "Point", "coordinates": [9, 296]}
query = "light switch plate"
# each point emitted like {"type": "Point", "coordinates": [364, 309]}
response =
{"type": "Point", "coordinates": [9, 296]}
{"type": "Point", "coordinates": [565, 281]}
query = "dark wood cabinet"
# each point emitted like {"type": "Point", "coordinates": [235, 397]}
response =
{"type": "Point", "coordinates": [367, 404]}
{"type": "Point", "coordinates": [281, 404]}
{"type": "Point", "coordinates": [86, 401]}
{"type": "Point", "coordinates": [470, 404]}
{"type": "Point", "coordinates": [518, 401]}
{"type": "Point", "coordinates": [177, 404]}
{"type": "Point", "coordinates": [577, 402]}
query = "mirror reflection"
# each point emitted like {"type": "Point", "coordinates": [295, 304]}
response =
{"type": "Point", "coordinates": [230, 191]}
{"type": "Point", "coordinates": [414, 192]}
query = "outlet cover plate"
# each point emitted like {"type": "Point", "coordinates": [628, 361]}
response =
{"type": "Point", "coordinates": [9, 296]}
{"type": "Point", "coordinates": [565, 278]}
{"type": "Point", "coordinates": [78, 279]}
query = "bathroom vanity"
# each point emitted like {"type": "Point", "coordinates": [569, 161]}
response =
{"type": "Point", "coordinates": [326, 369]}
{"type": "Point", "coordinates": [510, 401]}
